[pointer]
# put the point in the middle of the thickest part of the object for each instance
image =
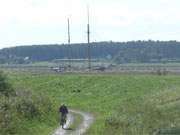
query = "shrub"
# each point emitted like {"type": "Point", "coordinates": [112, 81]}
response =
{"type": "Point", "coordinates": [161, 72]}
{"type": "Point", "coordinates": [17, 111]}
{"type": "Point", "coordinates": [27, 108]}
{"type": "Point", "coordinates": [32, 106]}
{"type": "Point", "coordinates": [18, 107]}
{"type": "Point", "coordinates": [10, 123]}
{"type": "Point", "coordinates": [5, 87]}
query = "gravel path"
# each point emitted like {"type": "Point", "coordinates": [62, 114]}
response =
{"type": "Point", "coordinates": [87, 120]}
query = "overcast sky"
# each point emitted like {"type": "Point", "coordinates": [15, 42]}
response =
{"type": "Point", "coordinates": [26, 22]}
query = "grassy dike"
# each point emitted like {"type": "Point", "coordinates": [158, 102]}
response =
{"type": "Point", "coordinates": [121, 104]}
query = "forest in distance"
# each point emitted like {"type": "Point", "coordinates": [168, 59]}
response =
{"type": "Point", "coordinates": [118, 52]}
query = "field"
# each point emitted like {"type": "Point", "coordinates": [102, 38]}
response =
{"type": "Point", "coordinates": [122, 104]}
{"type": "Point", "coordinates": [101, 66]}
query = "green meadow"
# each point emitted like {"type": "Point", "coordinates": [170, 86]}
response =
{"type": "Point", "coordinates": [122, 104]}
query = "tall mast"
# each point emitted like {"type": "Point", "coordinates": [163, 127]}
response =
{"type": "Point", "coordinates": [88, 38]}
{"type": "Point", "coordinates": [69, 42]}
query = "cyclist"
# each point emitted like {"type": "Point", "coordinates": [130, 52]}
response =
{"type": "Point", "coordinates": [64, 111]}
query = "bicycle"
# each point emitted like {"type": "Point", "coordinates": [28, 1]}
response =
{"type": "Point", "coordinates": [63, 120]}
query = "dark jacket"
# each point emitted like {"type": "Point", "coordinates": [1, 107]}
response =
{"type": "Point", "coordinates": [63, 109]}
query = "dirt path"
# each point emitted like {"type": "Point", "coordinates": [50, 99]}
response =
{"type": "Point", "coordinates": [87, 120]}
{"type": "Point", "coordinates": [60, 131]}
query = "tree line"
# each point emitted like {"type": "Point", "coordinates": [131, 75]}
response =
{"type": "Point", "coordinates": [119, 52]}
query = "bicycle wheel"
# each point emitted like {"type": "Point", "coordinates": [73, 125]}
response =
{"type": "Point", "coordinates": [63, 120]}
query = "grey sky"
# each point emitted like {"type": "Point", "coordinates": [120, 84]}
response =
{"type": "Point", "coordinates": [26, 22]}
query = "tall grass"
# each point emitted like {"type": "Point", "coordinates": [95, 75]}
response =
{"type": "Point", "coordinates": [20, 108]}
{"type": "Point", "coordinates": [121, 104]}
{"type": "Point", "coordinates": [148, 115]}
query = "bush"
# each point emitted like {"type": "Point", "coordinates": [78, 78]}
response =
{"type": "Point", "coordinates": [27, 108]}
{"type": "Point", "coordinates": [32, 106]}
{"type": "Point", "coordinates": [17, 111]}
{"type": "Point", "coordinates": [18, 107]}
{"type": "Point", "coordinates": [161, 72]}
{"type": "Point", "coordinates": [10, 122]}
{"type": "Point", "coordinates": [5, 87]}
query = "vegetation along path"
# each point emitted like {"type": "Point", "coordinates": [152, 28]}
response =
{"type": "Point", "coordinates": [84, 125]}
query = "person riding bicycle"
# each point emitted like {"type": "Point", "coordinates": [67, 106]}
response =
{"type": "Point", "coordinates": [64, 111]}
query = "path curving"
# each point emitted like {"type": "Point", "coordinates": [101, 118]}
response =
{"type": "Point", "coordinates": [87, 120]}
